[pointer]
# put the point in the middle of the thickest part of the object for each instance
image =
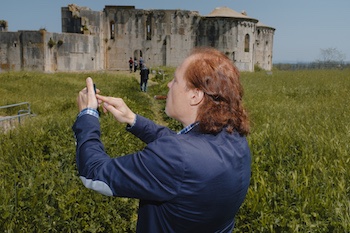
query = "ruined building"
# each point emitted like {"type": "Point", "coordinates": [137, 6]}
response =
{"type": "Point", "coordinates": [105, 40]}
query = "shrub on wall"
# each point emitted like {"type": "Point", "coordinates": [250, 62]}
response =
{"type": "Point", "coordinates": [3, 23]}
{"type": "Point", "coordinates": [51, 43]}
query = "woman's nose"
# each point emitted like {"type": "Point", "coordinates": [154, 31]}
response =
{"type": "Point", "coordinates": [169, 84]}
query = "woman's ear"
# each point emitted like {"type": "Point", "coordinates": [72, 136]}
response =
{"type": "Point", "coordinates": [197, 96]}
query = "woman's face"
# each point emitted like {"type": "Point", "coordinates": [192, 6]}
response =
{"type": "Point", "coordinates": [179, 95]}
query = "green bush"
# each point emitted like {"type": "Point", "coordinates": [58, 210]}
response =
{"type": "Point", "coordinates": [299, 144]}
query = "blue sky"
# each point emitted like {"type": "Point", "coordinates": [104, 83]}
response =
{"type": "Point", "coordinates": [303, 27]}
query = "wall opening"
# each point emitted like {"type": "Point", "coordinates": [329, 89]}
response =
{"type": "Point", "coordinates": [138, 53]}
{"type": "Point", "coordinates": [246, 43]}
{"type": "Point", "coordinates": [149, 27]}
{"type": "Point", "coordinates": [112, 29]}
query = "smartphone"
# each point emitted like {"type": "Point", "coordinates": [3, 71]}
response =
{"type": "Point", "coordinates": [98, 110]}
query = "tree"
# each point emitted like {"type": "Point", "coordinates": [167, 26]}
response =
{"type": "Point", "coordinates": [331, 57]}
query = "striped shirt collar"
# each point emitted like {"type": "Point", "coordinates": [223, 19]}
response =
{"type": "Point", "coordinates": [188, 128]}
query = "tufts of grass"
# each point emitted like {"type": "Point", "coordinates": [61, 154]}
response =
{"type": "Point", "coordinates": [299, 145]}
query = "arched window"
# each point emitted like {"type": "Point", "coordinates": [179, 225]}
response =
{"type": "Point", "coordinates": [246, 43]}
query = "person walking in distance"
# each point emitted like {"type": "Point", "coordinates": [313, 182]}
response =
{"type": "Point", "coordinates": [141, 62]}
{"type": "Point", "coordinates": [194, 180]}
{"type": "Point", "coordinates": [131, 64]}
{"type": "Point", "coordinates": [144, 73]}
{"type": "Point", "coordinates": [135, 64]}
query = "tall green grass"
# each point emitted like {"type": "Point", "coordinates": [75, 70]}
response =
{"type": "Point", "coordinates": [300, 148]}
{"type": "Point", "coordinates": [299, 143]}
{"type": "Point", "coordinates": [40, 189]}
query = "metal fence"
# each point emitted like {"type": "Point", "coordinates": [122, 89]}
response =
{"type": "Point", "coordinates": [8, 122]}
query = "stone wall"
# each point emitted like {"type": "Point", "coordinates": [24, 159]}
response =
{"type": "Point", "coordinates": [165, 37]}
{"type": "Point", "coordinates": [161, 37]}
{"type": "Point", "coordinates": [22, 50]}
{"type": "Point", "coordinates": [74, 52]}
{"type": "Point", "coordinates": [264, 47]}
{"type": "Point", "coordinates": [10, 51]}
{"type": "Point", "coordinates": [49, 52]}
{"type": "Point", "coordinates": [100, 40]}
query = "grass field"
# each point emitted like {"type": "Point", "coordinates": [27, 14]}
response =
{"type": "Point", "coordinates": [300, 145]}
{"type": "Point", "coordinates": [299, 142]}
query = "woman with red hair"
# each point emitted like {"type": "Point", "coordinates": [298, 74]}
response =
{"type": "Point", "coordinates": [213, 73]}
{"type": "Point", "coordinates": [194, 180]}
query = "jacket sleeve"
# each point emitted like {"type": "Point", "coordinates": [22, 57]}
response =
{"type": "Point", "coordinates": [148, 131]}
{"type": "Point", "coordinates": [155, 173]}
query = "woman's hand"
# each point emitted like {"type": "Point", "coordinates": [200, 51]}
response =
{"type": "Point", "coordinates": [87, 96]}
{"type": "Point", "coordinates": [118, 108]}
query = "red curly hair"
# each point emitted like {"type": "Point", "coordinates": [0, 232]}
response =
{"type": "Point", "coordinates": [215, 74]}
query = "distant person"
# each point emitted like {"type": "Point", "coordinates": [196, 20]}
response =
{"type": "Point", "coordinates": [144, 73]}
{"type": "Point", "coordinates": [194, 180]}
{"type": "Point", "coordinates": [131, 64]}
{"type": "Point", "coordinates": [141, 62]}
{"type": "Point", "coordinates": [135, 64]}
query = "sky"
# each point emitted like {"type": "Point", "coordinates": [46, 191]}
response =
{"type": "Point", "coordinates": [303, 27]}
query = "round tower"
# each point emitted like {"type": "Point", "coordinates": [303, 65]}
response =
{"type": "Point", "coordinates": [236, 34]}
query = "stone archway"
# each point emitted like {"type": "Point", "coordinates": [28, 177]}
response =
{"type": "Point", "coordinates": [138, 53]}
